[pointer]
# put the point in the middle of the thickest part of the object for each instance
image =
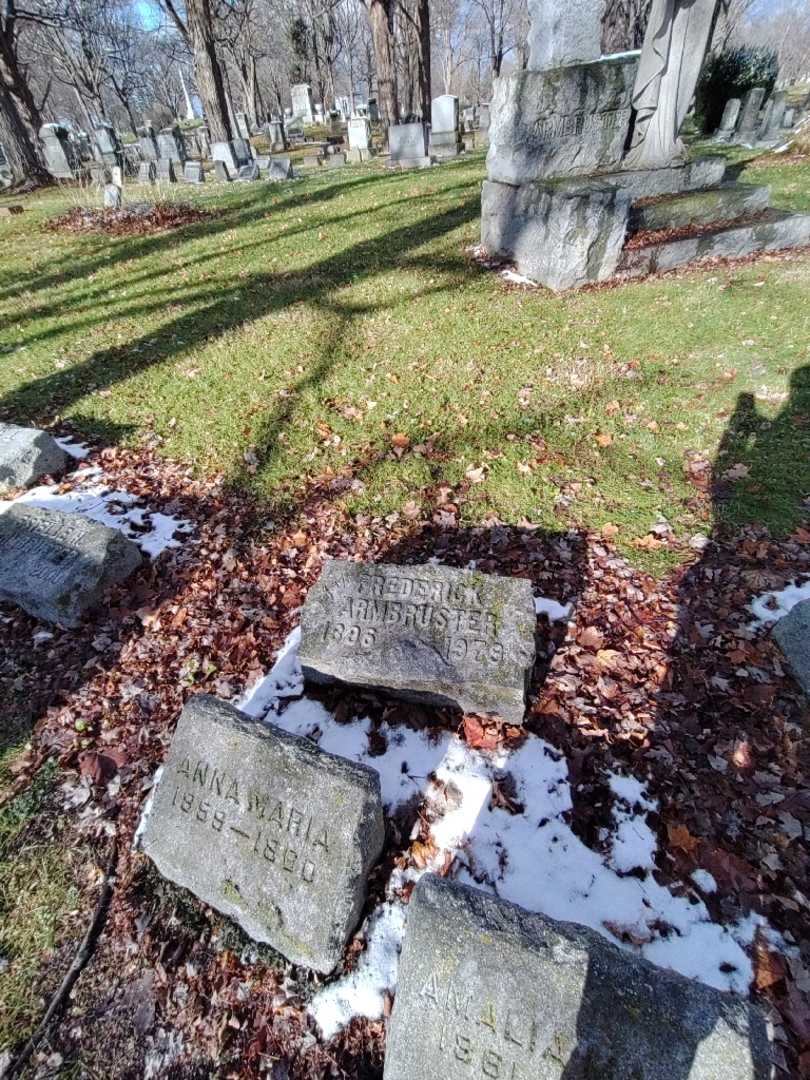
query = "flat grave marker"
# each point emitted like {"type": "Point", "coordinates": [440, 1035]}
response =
{"type": "Point", "coordinates": [267, 829]}
{"type": "Point", "coordinates": [58, 566]}
{"type": "Point", "coordinates": [26, 455]}
{"type": "Point", "coordinates": [426, 633]}
{"type": "Point", "coordinates": [489, 990]}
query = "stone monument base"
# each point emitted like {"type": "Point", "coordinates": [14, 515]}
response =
{"type": "Point", "coordinates": [576, 231]}
{"type": "Point", "coordinates": [445, 144]}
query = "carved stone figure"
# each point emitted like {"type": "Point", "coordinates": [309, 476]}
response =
{"type": "Point", "coordinates": [674, 48]}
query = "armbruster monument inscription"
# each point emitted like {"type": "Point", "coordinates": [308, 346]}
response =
{"type": "Point", "coordinates": [57, 566]}
{"type": "Point", "coordinates": [488, 991]}
{"type": "Point", "coordinates": [426, 633]}
{"type": "Point", "coordinates": [267, 829]}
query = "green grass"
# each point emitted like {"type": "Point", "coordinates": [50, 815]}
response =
{"type": "Point", "coordinates": [38, 895]}
{"type": "Point", "coordinates": [309, 323]}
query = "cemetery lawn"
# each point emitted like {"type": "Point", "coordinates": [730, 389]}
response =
{"type": "Point", "coordinates": [338, 333]}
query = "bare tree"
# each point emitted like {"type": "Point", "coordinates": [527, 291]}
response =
{"type": "Point", "coordinates": [19, 114]}
{"type": "Point", "coordinates": [197, 29]}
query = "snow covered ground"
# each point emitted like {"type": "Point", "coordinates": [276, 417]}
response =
{"type": "Point", "coordinates": [500, 819]}
{"type": "Point", "coordinates": [90, 496]}
{"type": "Point", "coordinates": [773, 606]}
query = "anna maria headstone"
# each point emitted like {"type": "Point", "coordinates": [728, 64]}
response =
{"type": "Point", "coordinates": [426, 633]}
{"type": "Point", "coordinates": [488, 990]}
{"type": "Point", "coordinates": [267, 829]}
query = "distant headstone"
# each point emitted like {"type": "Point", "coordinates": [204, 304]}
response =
{"type": "Point", "coordinates": [373, 110]}
{"type": "Point", "coordinates": [311, 161]}
{"type": "Point", "coordinates": [243, 151]}
{"type": "Point", "coordinates": [108, 144]}
{"type": "Point", "coordinates": [408, 145]}
{"type": "Point", "coordinates": [469, 118]}
{"type": "Point", "coordinates": [425, 633]}
{"type": "Point", "coordinates": [60, 157]}
{"type": "Point", "coordinates": [10, 211]}
{"type": "Point", "coordinates": [221, 172]}
{"type": "Point", "coordinates": [302, 103]}
{"type": "Point", "coordinates": [359, 133]}
{"type": "Point", "coordinates": [267, 829]}
{"type": "Point", "coordinates": [242, 125]}
{"type": "Point", "coordinates": [728, 121]}
{"type": "Point", "coordinates": [279, 168]}
{"type": "Point", "coordinates": [486, 989]}
{"type": "Point", "coordinates": [193, 172]}
{"type": "Point", "coordinates": [788, 119]}
{"type": "Point", "coordinates": [112, 197]}
{"type": "Point", "coordinates": [749, 113]}
{"type": "Point", "coordinates": [774, 117]}
{"type": "Point", "coordinates": [233, 154]}
{"type": "Point", "coordinates": [171, 144]}
{"type": "Point", "coordinates": [117, 175]}
{"type": "Point", "coordinates": [274, 130]}
{"type": "Point", "coordinates": [57, 566]}
{"type": "Point", "coordinates": [165, 170]}
{"type": "Point", "coordinates": [249, 172]}
{"type": "Point", "coordinates": [571, 121]}
{"type": "Point", "coordinates": [26, 455]}
{"type": "Point", "coordinates": [336, 160]}
{"type": "Point", "coordinates": [147, 143]}
{"type": "Point", "coordinates": [562, 32]}
{"type": "Point", "coordinates": [792, 635]}
{"type": "Point", "coordinates": [445, 132]}
{"type": "Point", "coordinates": [147, 172]}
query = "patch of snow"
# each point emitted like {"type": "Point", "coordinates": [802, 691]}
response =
{"type": "Point", "coordinates": [517, 279]}
{"type": "Point", "coordinates": [162, 1049]}
{"type": "Point", "coordinates": [362, 992]}
{"type": "Point", "coordinates": [147, 809]}
{"type": "Point", "coordinates": [530, 857]}
{"type": "Point", "coordinates": [285, 680]}
{"type": "Point", "coordinates": [152, 531]}
{"type": "Point", "coordinates": [773, 606]}
{"type": "Point", "coordinates": [704, 881]}
{"type": "Point", "coordinates": [73, 448]}
{"type": "Point", "coordinates": [556, 611]}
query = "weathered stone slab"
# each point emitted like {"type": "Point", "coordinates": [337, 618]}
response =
{"type": "Point", "coordinates": [749, 112]}
{"type": "Point", "coordinates": [408, 143]}
{"type": "Point", "coordinates": [147, 172]}
{"type": "Point", "coordinates": [26, 455]}
{"type": "Point", "coordinates": [10, 211]}
{"type": "Point", "coordinates": [561, 32]}
{"type": "Point", "coordinates": [426, 633]}
{"type": "Point", "coordinates": [221, 173]}
{"type": "Point", "coordinates": [112, 197]}
{"type": "Point", "coordinates": [487, 989]}
{"type": "Point", "coordinates": [570, 121]}
{"type": "Point", "coordinates": [725, 203]}
{"type": "Point", "coordinates": [267, 829]}
{"type": "Point", "coordinates": [165, 171]}
{"type": "Point", "coordinates": [728, 121]}
{"type": "Point", "coordinates": [562, 238]}
{"type": "Point", "coordinates": [193, 172]}
{"type": "Point", "coordinates": [57, 566]}
{"type": "Point", "coordinates": [775, 231]}
{"type": "Point", "coordinates": [359, 133]}
{"type": "Point", "coordinates": [279, 168]}
{"type": "Point", "coordinates": [792, 635]}
{"type": "Point", "coordinates": [248, 173]}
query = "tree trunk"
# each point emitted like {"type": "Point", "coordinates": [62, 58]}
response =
{"type": "Point", "coordinates": [423, 27]}
{"type": "Point", "coordinates": [207, 70]}
{"type": "Point", "coordinates": [381, 14]}
{"type": "Point", "coordinates": [22, 152]}
{"type": "Point", "coordinates": [17, 88]}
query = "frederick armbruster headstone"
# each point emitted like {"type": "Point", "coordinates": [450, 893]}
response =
{"type": "Point", "coordinates": [57, 566]}
{"type": "Point", "coordinates": [267, 829]}
{"type": "Point", "coordinates": [426, 633]}
{"type": "Point", "coordinates": [792, 634]}
{"type": "Point", "coordinates": [26, 455]}
{"type": "Point", "coordinates": [487, 989]}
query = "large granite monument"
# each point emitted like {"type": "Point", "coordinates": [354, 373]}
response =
{"type": "Point", "coordinates": [425, 633]}
{"type": "Point", "coordinates": [267, 829]}
{"type": "Point", "coordinates": [577, 146]}
{"type": "Point", "coordinates": [487, 989]}
{"type": "Point", "coordinates": [57, 566]}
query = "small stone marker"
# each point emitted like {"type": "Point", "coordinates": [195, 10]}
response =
{"type": "Point", "coordinates": [193, 172]}
{"type": "Point", "coordinates": [426, 633]}
{"type": "Point", "coordinates": [10, 211]}
{"type": "Point", "coordinates": [249, 172]}
{"type": "Point", "coordinates": [279, 168]}
{"type": "Point", "coordinates": [408, 146]}
{"type": "Point", "coordinates": [487, 989]}
{"type": "Point", "coordinates": [221, 172]}
{"type": "Point", "coordinates": [112, 197]}
{"type": "Point", "coordinates": [267, 829]}
{"type": "Point", "coordinates": [57, 566]}
{"type": "Point", "coordinates": [147, 172]}
{"type": "Point", "coordinates": [165, 170]}
{"type": "Point", "coordinates": [792, 634]}
{"type": "Point", "coordinates": [26, 455]}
